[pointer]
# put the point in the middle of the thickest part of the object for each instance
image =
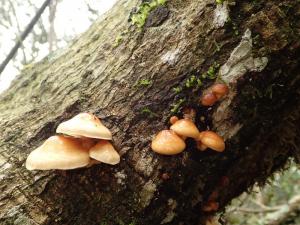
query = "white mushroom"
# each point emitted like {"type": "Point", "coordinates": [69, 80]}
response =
{"type": "Point", "coordinates": [84, 125]}
{"type": "Point", "coordinates": [58, 152]}
{"type": "Point", "coordinates": [104, 152]}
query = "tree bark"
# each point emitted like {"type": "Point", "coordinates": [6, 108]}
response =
{"type": "Point", "coordinates": [127, 75]}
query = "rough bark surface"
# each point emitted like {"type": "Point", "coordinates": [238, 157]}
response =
{"type": "Point", "coordinates": [104, 71]}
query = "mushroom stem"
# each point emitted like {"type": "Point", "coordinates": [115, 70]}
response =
{"type": "Point", "coordinates": [201, 146]}
{"type": "Point", "coordinates": [189, 113]}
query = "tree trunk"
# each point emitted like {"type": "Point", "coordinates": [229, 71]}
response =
{"type": "Point", "coordinates": [134, 76]}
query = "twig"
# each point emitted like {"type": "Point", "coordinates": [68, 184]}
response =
{"type": "Point", "coordinates": [24, 35]}
{"type": "Point", "coordinates": [284, 212]}
{"type": "Point", "coordinates": [248, 210]}
{"type": "Point", "coordinates": [19, 29]}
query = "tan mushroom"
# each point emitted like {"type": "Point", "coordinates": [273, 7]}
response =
{"type": "Point", "coordinates": [167, 142]}
{"type": "Point", "coordinates": [84, 125]}
{"type": "Point", "coordinates": [58, 152]}
{"type": "Point", "coordinates": [104, 152]}
{"type": "Point", "coordinates": [185, 128]}
{"type": "Point", "coordinates": [211, 140]}
{"type": "Point", "coordinates": [208, 99]}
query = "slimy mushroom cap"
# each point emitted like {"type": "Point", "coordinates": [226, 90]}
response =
{"type": "Point", "coordinates": [208, 99]}
{"type": "Point", "coordinates": [58, 152]}
{"type": "Point", "coordinates": [104, 152]}
{"type": "Point", "coordinates": [167, 142]}
{"type": "Point", "coordinates": [220, 90]}
{"type": "Point", "coordinates": [185, 128]}
{"type": "Point", "coordinates": [212, 140]}
{"type": "Point", "coordinates": [84, 125]}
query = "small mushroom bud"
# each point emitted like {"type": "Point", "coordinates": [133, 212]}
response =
{"type": "Point", "coordinates": [185, 128]}
{"type": "Point", "coordinates": [220, 90]}
{"type": "Point", "coordinates": [167, 142]}
{"type": "Point", "coordinates": [212, 140]}
{"type": "Point", "coordinates": [173, 119]}
{"type": "Point", "coordinates": [208, 99]}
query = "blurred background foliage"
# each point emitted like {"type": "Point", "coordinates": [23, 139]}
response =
{"type": "Point", "coordinates": [60, 23]}
{"type": "Point", "coordinates": [277, 203]}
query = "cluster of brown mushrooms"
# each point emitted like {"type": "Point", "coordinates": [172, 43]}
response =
{"type": "Point", "coordinates": [172, 141]}
{"type": "Point", "coordinates": [215, 93]}
{"type": "Point", "coordinates": [79, 146]}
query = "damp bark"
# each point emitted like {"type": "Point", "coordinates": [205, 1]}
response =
{"type": "Point", "coordinates": [135, 77]}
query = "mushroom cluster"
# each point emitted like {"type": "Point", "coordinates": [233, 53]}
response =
{"type": "Point", "coordinates": [78, 146]}
{"type": "Point", "coordinates": [171, 142]}
{"type": "Point", "coordinates": [215, 93]}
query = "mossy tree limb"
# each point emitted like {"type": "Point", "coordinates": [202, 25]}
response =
{"type": "Point", "coordinates": [257, 47]}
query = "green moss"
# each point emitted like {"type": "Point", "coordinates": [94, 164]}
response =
{"type": "Point", "coordinates": [118, 40]}
{"type": "Point", "coordinates": [177, 90]}
{"type": "Point", "coordinates": [132, 223]}
{"type": "Point", "coordinates": [175, 107]}
{"type": "Point", "coordinates": [212, 71]}
{"type": "Point", "coordinates": [192, 84]}
{"type": "Point", "coordinates": [193, 81]}
{"type": "Point", "coordinates": [149, 112]}
{"type": "Point", "coordinates": [219, 1]}
{"type": "Point", "coordinates": [144, 9]}
{"type": "Point", "coordinates": [144, 82]}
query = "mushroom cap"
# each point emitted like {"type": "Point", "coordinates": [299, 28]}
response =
{"type": "Point", "coordinates": [186, 128]}
{"type": "Point", "coordinates": [167, 142]}
{"type": "Point", "coordinates": [58, 152]}
{"type": "Point", "coordinates": [173, 119]}
{"type": "Point", "coordinates": [84, 125]}
{"type": "Point", "coordinates": [212, 140]}
{"type": "Point", "coordinates": [208, 99]}
{"type": "Point", "coordinates": [104, 152]}
{"type": "Point", "coordinates": [220, 90]}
